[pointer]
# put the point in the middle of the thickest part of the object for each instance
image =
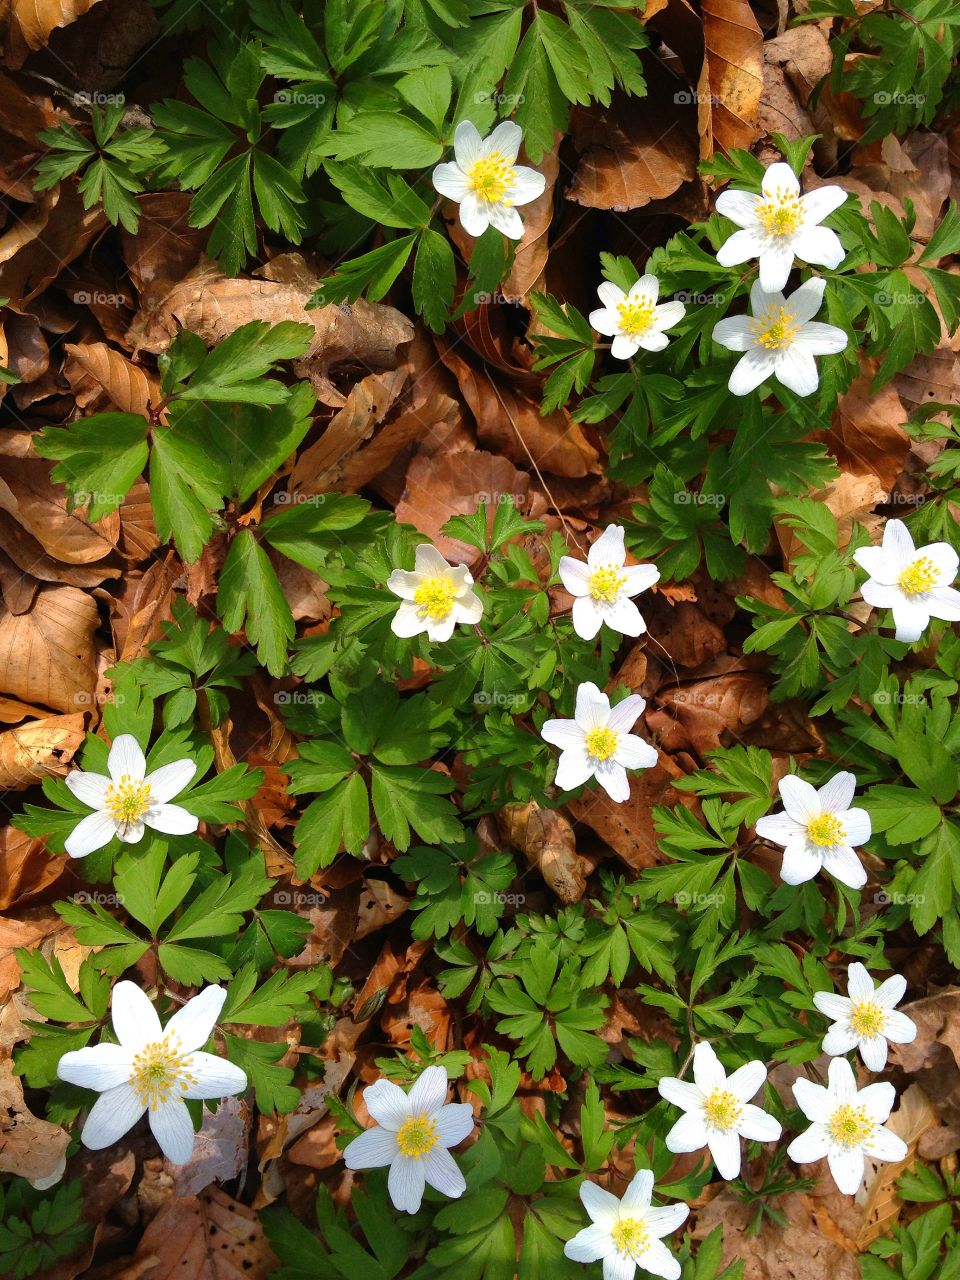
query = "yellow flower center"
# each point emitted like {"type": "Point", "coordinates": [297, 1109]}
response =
{"type": "Point", "coordinates": [918, 577]}
{"type": "Point", "coordinates": [417, 1136]}
{"type": "Point", "coordinates": [636, 316]}
{"type": "Point", "coordinates": [722, 1110]}
{"type": "Point", "coordinates": [867, 1018]}
{"type": "Point", "coordinates": [850, 1126]}
{"type": "Point", "coordinates": [491, 177]}
{"type": "Point", "coordinates": [601, 743]}
{"type": "Point", "coordinates": [127, 800]}
{"type": "Point", "coordinates": [605, 584]}
{"type": "Point", "coordinates": [774, 328]}
{"type": "Point", "coordinates": [826, 831]}
{"type": "Point", "coordinates": [435, 597]}
{"type": "Point", "coordinates": [631, 1236]}
{"type": "Point", "coordinates": [781, 213]}
{"type": "Point", "coordinates": [160, 1072]}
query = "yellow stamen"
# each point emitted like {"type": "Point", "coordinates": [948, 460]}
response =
{"type": "Point", "coordinates": [601, 743]}
{"type": "Point", "coordinates": [868, 1018]}
{"type": "Point", "coordinates": [127, 800]}
{"type": "Point", "coordinates": [774, 328]}
{"type": "Point", "coordinates": [826, 831]}
{"type": "Point", "coordinates": [491, 177]}
{"type": "Point", "coordinates": [850, 1126]}
{"type": "Point", "coordinates": [605, 583]}
{"type": "Point", "coordinates": [636, 316]}
{"type": "Point", "coordinates": [417, 1136]}
{"type": "Point", "coordinates": [722, 1110]}
{"type": "Point", "coordinates": [161, 1071]}
{"type": "Point", "coordinates": [631, 1237]}
{"type": "Point", "coordinates": [435, 597]}
{"type": "Point", "coordinates": [919, 576]}
{"type": "Point", "coordinates": [780, 214]}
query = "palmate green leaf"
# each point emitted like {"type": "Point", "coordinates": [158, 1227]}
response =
{"type": "Point", "coordinates": [386, 140]}
{"type": "Point", "coordinates": [386, 199]}
{"type": "Point", "coordinates": [434, 279]}
{"type": "Point", "coordinates": [98, 458]}
{"type": "Point", "coordinates": [52, 996]}
{"type": "Point", "coordinates": [340, 815]}
{"type": "Point", "coordinates": [198, 143]}
{"type": "Point", "coordinates": [273, 1084]}
{"type": "Point", "coordinates": [186, 485]}
{"type": "Point", "coordinates": [274, 1003]}
{"type": "Point", "coordinates": [409, 798]}
{"type": "Point", "coordinates": [237, 368]}
{"type": "Point", "coordinates": [250, 592]}
{"type": "Point", "coordinates": [372, 273]}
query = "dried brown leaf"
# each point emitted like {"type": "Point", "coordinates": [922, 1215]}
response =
{"type": "Point", "coordinates": [47, 655]}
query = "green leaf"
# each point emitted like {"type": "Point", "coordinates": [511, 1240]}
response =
{"type": "Point", "coordinates": [98, 458]}
{"type": "Point", "coordinates": [249, 590]}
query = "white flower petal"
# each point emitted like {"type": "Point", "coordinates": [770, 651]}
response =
{"type": "Point", "coordinates": [372, 1149]}
{"type": "Point", "coordinates": [610, 294]}
{"type": "Point", "coordinates": [799, 863]}
{"type": "Point", "coordinates": [811, 1145]}
{"type": "Point", "coordinates": [739, 247]}
{"type": "Point", "coordinates": [819, 339]}
{"type": "Point", "coordinates": [623, 348]}
{"type": "Point", "coordinates": [860, 985]}
{"type": "Point", "coordinates": [877, 1098]}
{"type": "Point", "coordinates": [666, 1219]}
{"type": "Point", "coordinates": [113, 1113]}
{"type": "Point", "coordinates": [565, 734]}
{"type": "Point", "coordinates": [847, 1169]}
{"type": "Point", "coordinates": [100, 1067]}
{"type": "Point", "coordinates": [574, 768]}
{"type": "Point", "coordinates": [856, 823]}
{"type": "Point", "coordinates": [589, 1245]}
{"type": "Point", "coordinates": [688, 1134]}
{"type": "Point", "coordinates": [819, 204]}
{"type": "Point", "coordinates": [171, 819]}
{"type": "Point", "coordinates": [505, 219]}
{"type": "Point", "coordinates": [587, 617]}
{"type": "Point", "coordinates": [835, 795]}
{"type": "Point", "coordinates": [618, 1266]}
{"type": "Point", "coordinates": [441, 1172]}
{"type": "Point", "coordinates": [429, 1093]}
{"type": "Point", "coordinates": [747, 1081]}
{"type": "Point", "coordinates": [407, 622]}
{"type": "Point", "coordinates": [605, 322]}
{"type": "Point", "coordinates": [873, 1051]}
{"type": "Point", "coordinates": [779, 828]}
{"type": "Point", "coordinates": [387, 1104]}
{"type": "Point", "coordinates": [659, 1261]}
{"type": "Point", "coordinates": [575, 576]}
{"type": "Point", "coordinates": [640, 577]}
{"type": "Point", "coordinates": [842, 1083]}
{"type": "Point", "coordinates": [626, 713]}
{"type": "Point", "coordinates": [653, 341]}
{"type": "Point", "coordinates": [819, 246]}
{"type": "Point", "coordinates": [840, 1039]}
{"type": "Point", "coordinates": [602, 1206]}
{"type": "Point", "coordinates": [844, 865]}
{"type": "Point", "coordinates": [405, 1183]}
{"type": "Point", "coordinates": [624, 616]}
{"type": "Point", "coordinates": [680, 1092]}
{"type": "Point", "coordinates": [89, 788]}
{"type": "Point", "coordinates": [474, 215]}
{"type": "Point", "coordinates": [468, 609]}
{"type": "Point", "coordinates": [778, 178]}
{"type": "Point", "coordinates": [757, 1125]}
{"type": "Point", "coordinates": [90, 833]}
{"type": "Point", "coordinates": [800, 799]}
{"type": "Point", "coordinates": [135, 1021]}
{"type": "Point", "coordinates": [506, 139]}
{"type": "Point", "coordinates": [131, 832]}
{"type": "Point", "coordinates": [797, 369]}
{"type": "Point", "coordinates": [636, 1198]}
{"type": "Point", "coordinates": [832, 1005]}
{"type": "Point", "coordinates": [884, 1145]}
{"type": "Point", "coordinates": [126, 758]}
{"type": "Point", "coordinates": [467, 144]}
{"type": "Point", "coordinates": [169, 780]}
{"type": "Point", "coordinates": [813, 1100]}
{"type": "Point", "coordinates": [634, 753]}
{"type": "Point", "coordinates": [173, 1129]}
{"type": "Point", "coordinates": [708, 1071]}
{"type": "Point", "coordinates": [739, 206]}
{"type": "Point", "coordinates": [751, 370]}
{"type": "Point", "coordinates": [880, 595]}
{"type": "Point", "coordinates": [193, 1024]}
{"type": "Point", "coordinates": [944, 602]}
{"type": "Point", "coordinates": [911, 620]}
{"type": "Point", "coordinates": [725, 1149]}
{"type": "Point", "coordinates": [593, 707]}
{"type": "Point", "coordinates": [450, 181]}
{"type": "Point", "coordinates": [454, 1123]}
{"type": "Point", "coordinates": [775, 264]}
{"type": "Point", "coordinates": [608, 549]}
{"type": "Point", "coordinates": [215, 1077]}
{"type": "Point", "coordinates": [898, 546]}
{"type": "Point", "coordinates": [669, 313]}
{"type": "Point", "coordinates": [734, 333]}
{"type": "Point", "coordinates": [528, 185]}
{"type": "Point", "coordinates": [899, 1029]}
{"type": "Point", "coordinates": [613, 778]}
{"type": "Point", "coordinates": [944, 559]}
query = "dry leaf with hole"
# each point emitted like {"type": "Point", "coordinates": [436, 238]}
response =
{"type": "Point", "coordinates": [39, 749]}
{"type": "Point", "coordinates": [206, 1237]}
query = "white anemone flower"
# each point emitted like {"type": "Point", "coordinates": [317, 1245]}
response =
{"type": "Point", "coordinates": [780, 225]}
{"type": "Point", "coordinates": [436, 596]}
{"type": "Point", "coordinates": [152, 1069]}
{"type": "Point", "coordinates": [718, 1110]}
{"type": "Point", "coordinates": [634, 319]}
{"type": "Point", "coordinates": [129, 799]}
{"type": "Point", "coordinates": [412, 1134]}
{"type": "Point", "coordinates": [915, 582]}
{"type": "Point", "coordinates": [603, 586]}
{"type": "Point", "coordinates": [818, 829]}
{"type": "Point", "coordinates": [866, 1017]}
{"type": "Point", "coordinates": [597, 742]}
{"type": "Point", "coordinates": [780, 339]}
{"type": "Point", "coordinates": [847, 1125]}
{"type": "Point", "coordinates": [486, 181]}
{"type": "Point", "coordinates": [627, 1233]}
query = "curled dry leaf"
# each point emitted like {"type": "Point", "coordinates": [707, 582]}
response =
{"type": "Point", "coordinates": [128, 386]}
{"type": "Point", "coordinates": [219, 1150]}
{"type": "Point", "coordinates": [25, 866]}
{"type": "Point", "coordinates": [547, 841]}
{"type": "Point", "coordinates": [29, 1147]}
{"type": "Point", "coordinates": [40, 749]}
{"type": "Point", "coordinates": [33, 499]}
{"type": "Point", "coordinates": [867, 437]}
{"type": "Point", "coordinates": [47, 655]}
{"type": "Point", "coordinates": [732, 80]}
{"type": "Point", "coordinates": [320, 468]}
{"type": "Point", "coordinates": [710, 713]}
{"type": "Point", "coordinates": [206, 1237]}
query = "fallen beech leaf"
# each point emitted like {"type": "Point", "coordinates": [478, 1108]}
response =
{"type": "Point", "coordinates": [47, 655]}
{"type": "Point", "coordinates": [732, 83]}
{"type": "Point", "coordinates": [547, 841]}
{"type": "Point", "coordinates": [850, 498]}
{"type": "Point", "coordinates": [914, 1115]}
{"type": "Point", "coordinates": [30, 1147]}
{"type": "Point", "coordinates": [206, 1237]}
{"type": "Point", "coordinates": [526, 273]}
{"type": "Point", "coordinates": [512, 425]}
{"type": "Point", "coordinates": [712, 713]}
{"type": "Point", "coordinates": [456, 484]}
{"type": "Point", "coordinates": [40, 749]}
{"type": "Point", "coordinates": [128, 386]}
{"type": "Point", "coordinates": [39, 249]}
{"type": "Point", "coordinates": [219, 1149]}
{"type": "Point", "coordinates": [319, 468]}
{"type": "Point", "coordinates": [36, 502]}
{"type": "Point", "coordinates": [25, 866]}
{"type": "Point", "coordinates": [867, 436]}
{"type": "Point", "coordinates": [628, 828]}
